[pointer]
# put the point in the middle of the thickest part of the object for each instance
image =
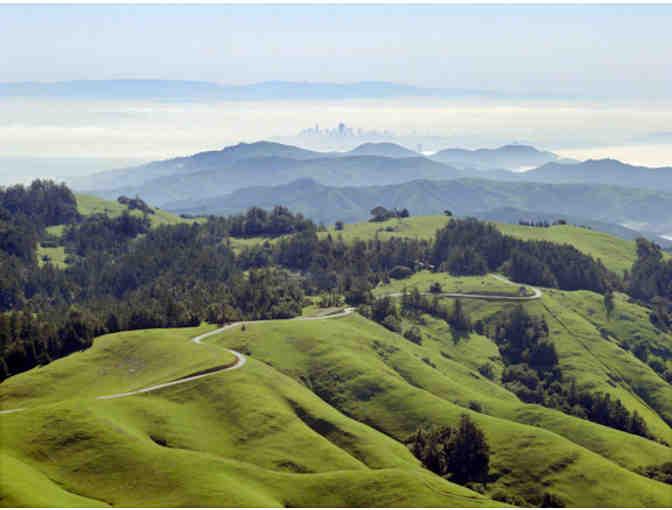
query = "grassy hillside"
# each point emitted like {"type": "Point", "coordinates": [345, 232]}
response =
{"type": "Point", "coordinates": [420, 227]}
{"type": "Point", "coordinates": [422, 280]}
{"type": "Point", "coordinates": [616, 254]}
{"type": "Point", "coordinates": [249, 437]}
{"type": "Point", "coordinates": [88, 204]}
{"type": "Point", "coordinates": [316, 417]}
{"type": "Point", "coordinates": [116, 363]}
{"type": "Point", "coordinates": [319, 414]}
{"type": "Point", "coordinates": [381, 379]}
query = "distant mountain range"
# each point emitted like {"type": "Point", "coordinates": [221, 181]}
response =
{"type": "Point", "coordinates": [608, 204]}
{"type": "Point", "coordinates": [329, 186]}
{"type": "Point", "coordinates": [213, 173]}
{"type": "Point", "coordinates": [604, 171]}
{"type": "Point", "coordinates": [176, 89]}
{"type": "Point", "coordinates": [512, 157]}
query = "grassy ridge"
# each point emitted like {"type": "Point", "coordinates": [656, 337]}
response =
{"type": "Point", "coordinates": [422, 280]}
{"type": "Point", "coordinates": [381, 379]}
{"type": "Point", "coordinates": [114, 364]}
{"type": "Point", "coordinates": [249, 437]}
{"type": "Point", "coordinates": [317, 415]}
{"type": "Point", "coordinates": [616, 254]}
{"type": "Point", "coordinates": [88, 205]}
{"type": "Point", "coordinates": [261, 436]}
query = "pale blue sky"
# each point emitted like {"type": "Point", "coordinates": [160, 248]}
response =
{"type": "Point", "coordinates": [592, 51]}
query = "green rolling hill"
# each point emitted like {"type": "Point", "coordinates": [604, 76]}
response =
{"type": "Point", "coordinates": [616, 254]}
{"type": "Point", "coordinates": [321, 412]}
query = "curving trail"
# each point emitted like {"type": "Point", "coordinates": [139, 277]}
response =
{"type": "Point", "coordinates": [241, 359]}
{"type": "Point", "coordinates": [491, 297]}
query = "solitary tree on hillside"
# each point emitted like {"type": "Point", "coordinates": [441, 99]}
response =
{"type": "Point", "coordinates": [461, 452]}
{"type": "Point", "coordinates": [468, 456]}
{"type": "Point", "coordinates": [609, 302]}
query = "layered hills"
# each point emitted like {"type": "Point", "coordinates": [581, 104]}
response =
{"type": "Point", "coordinates": [609, 204]}
{"type": "Point", "coordinates": [348, 184]}
{"type": "Point", "coordinates": [511, 157]}
{"type": "Point", "coordinates": [323, 410]}
{"type": "Point", "coordinates": [604, 171]}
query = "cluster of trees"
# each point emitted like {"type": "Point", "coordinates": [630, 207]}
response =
{"type": "Point", "coordinates": [414, 303]}
{"type": "Point", "coordinates": [24, 214]}
{"type": "Point", "coordinates": [27, 340]}
{"type": "Point", "coordinates": [264, 294]}
{"type": "Point", "coordinates": [43, 202]}
{"type": "Point", "coordinates": [259, 222]}
{"type": "Point", "coordinates": [533, 374]}
{"type": "Point", "coordinates": [651, 275]}
{"type": "Point", "coordinates": [135, 203]}
{"type": "Point", "coordinates": [460, 453]}
{"type": "Point", "coordinates": [541, 223]}
{"type": "Point", "coordinates": [380, 213]}
{"type": "Point", "coordinates": [468, 247]}
{"type": "Point", "coordinates": [662, 473]}
{"type": "Point", "coordinates": [650, 282]}
{"type": "Point", "coordinates": [384, 311]}
{"type": "Point", "coordinates": [100, 233]}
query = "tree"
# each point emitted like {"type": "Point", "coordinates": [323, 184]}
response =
{"type": "Point", "coordinates": [339, 225]}
{"type": "Point", "coordinates": [609, 302]}
{"type": "Point", "coordinates": [400, 272]}
{"type": "Point", "coordinates": [379, 213]}
{"type": "Point", "coordinates": [487, 370]}
{"type": "Point", "coordinates": [459, 320]}
{"type": "Point", "coordinates": [414, 335]}
{"type": "Point", "coordinates": [468, 457]}
{"type": "Point", "coordinates": [392, 323]}
{"type": "Point", "coordinates": [448, 213]}
{"type": "Point", "coordinates": [404, 213]}
{"type": "Point", "coordinates": [462, 452]}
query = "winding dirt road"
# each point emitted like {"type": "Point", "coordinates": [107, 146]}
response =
{"type": "Point", "coordinates": [240, 358]}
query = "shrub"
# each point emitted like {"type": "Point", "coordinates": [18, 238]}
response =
{"type": "Point", "coordinates": [414, 335]}
{"type": "Point", "coordinates": [400, 272]}
{"type": "Point", "coordinates": [392, 323]}
{"type": "Point", "coordinates": [475, 406]}
{"type": "Point", "coordinates": [436, 288]}
{"type": "Point", "coordinates": [487, 370]}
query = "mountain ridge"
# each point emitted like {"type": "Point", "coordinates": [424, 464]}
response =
{"type": "Point", "coordinates": [605, 171]}
{"type": "Point", "coordinates": [604, 203]}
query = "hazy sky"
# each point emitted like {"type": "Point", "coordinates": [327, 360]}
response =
{"type": "Point", "coordinates": [593, 51]}
{"type": "Point", "coordinates": [606, 66]}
